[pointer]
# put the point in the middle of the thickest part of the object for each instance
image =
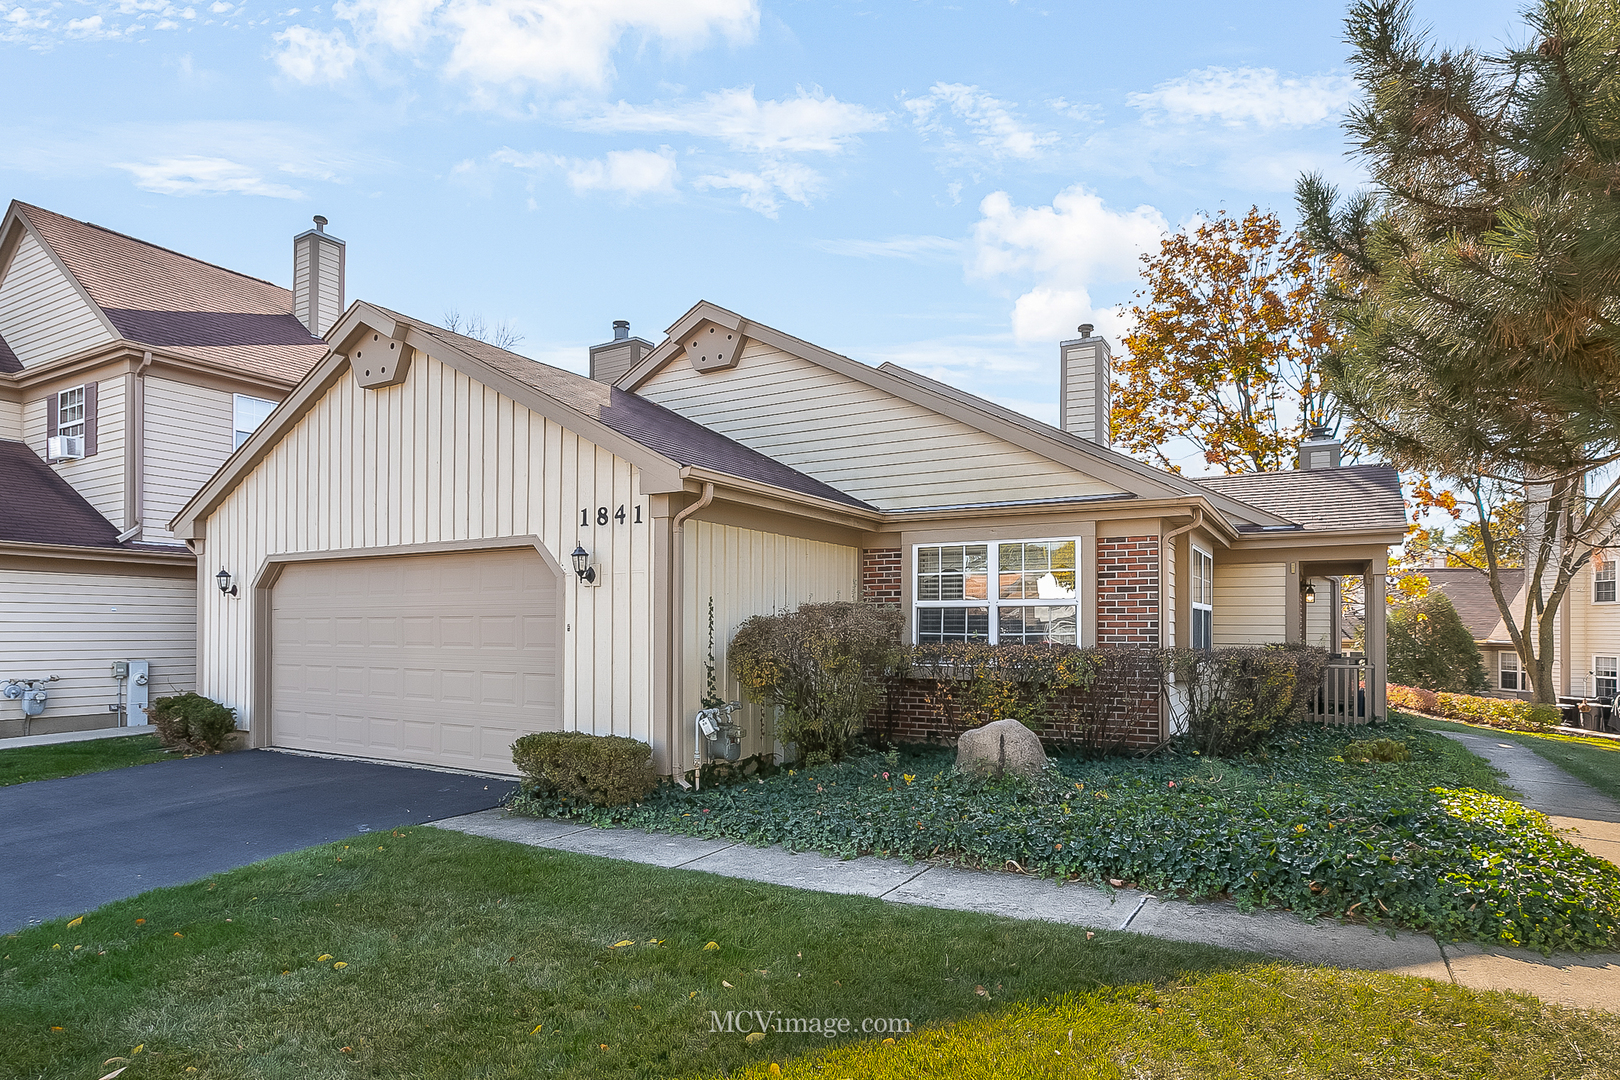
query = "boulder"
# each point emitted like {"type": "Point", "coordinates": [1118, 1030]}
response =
{"type": "Point", "coordinates": [1001, 746]}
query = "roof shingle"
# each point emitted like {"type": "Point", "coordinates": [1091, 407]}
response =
{"type": "Point", "coordinates": [1470, 593]}
{"type": "Point", "coordinates": [1354, 497]}
{"type": "Point", "coordinates": [43, 508]}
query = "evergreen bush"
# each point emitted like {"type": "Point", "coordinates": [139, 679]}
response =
{"type": "Point", "coordinates": [192, 723]}
{"type": "Point", "coordinates": [602, 770]}
{"type": "Point", "coordinates": [1430, 648]}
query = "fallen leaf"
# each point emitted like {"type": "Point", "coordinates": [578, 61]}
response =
{"type": "Point", "coordinates": [727, 985]}
{"type": "Point", "coordinates": [1089, 935]}
{"type": "Point", "coordinates": [655, 941]}
{"type": "Point", "coordinates": [58, 945]}
{"type": "Point", "coordinates": [115, 1072]}
{"type": "Point", "coordinates": [712, 946]}
{"type": "Point", "coordinates": [604, 1046]}
{"type": "Point", "coordinates": [138, 1048]}
{"type": "Point", "coordinates": [537, 1028]}
{"type": "Point", "coordinates": [56, 1029]}
{"type": "Point", "coordinates": [621, 944]}
{"type": "Point", "coordinates": [346, 1050]}
{"type": "Point", "coordinates": [888, 1042]}
{"type": "Point", "coordinates": [75, 922]}
{"type": "Point", "coordinates": [178, 934]}
{"type": "Point", "coordinates": [340, 965]}
{"type": "Point", "coordinates": [142, 922]}
{"type": "Point", "coordinates": [754, 1037]}
{"type": "Point", "coordinates": [76, 948]}
{"type": "Point", "coordinates": [692, 995]}
{"type": "Point", "coordinates": [1116, 883]}
{"type": "Point", "coordinates": [981, 991]}
{"type": "Point", "coordinates": [323, 958]}
{"type": "Point", "coordinates": [776, 1070]}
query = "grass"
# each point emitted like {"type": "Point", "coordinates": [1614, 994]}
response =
{"type": "Point", "coordinates": [423, 953]}
{"type": "Point", "coordinates": [1427, 843]}
{"type": "Point", "coordinates": [1596, 761]}
{"type": "Point", "coordinates": [26, 763]}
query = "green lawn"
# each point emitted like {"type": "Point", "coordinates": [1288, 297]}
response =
{"type": "Point", "coordinates": [423, 953]}
{"type": "Point", "coordinates": [25, 763]}
{"type": "Point", "coordinates": [1596, 761]}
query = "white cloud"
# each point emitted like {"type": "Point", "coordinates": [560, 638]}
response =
{"type": "Point", "coordinates": [205, 176]}
{"type": "Point", "coordinates": [398, 24]}
{"type": "Point", "coordinates": [807, 122]}
{"type": "Point", "coordinates": [315, 56]}
{"type": "Point", "coordinates": [993, 127]}
{"type": "Point", "coordinates": [917, 248]}
{"type": "Point", "coordinates": [1258, 96]}
{"type": "Point", "coordinates": [1059, 253]}
{"type": "Point", "coordinates": [764, 189]}
{"type": "Point", "coordinates": [628, 172]}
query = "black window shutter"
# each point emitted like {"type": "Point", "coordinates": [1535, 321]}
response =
{"type": "Point", "coordinates": [89, 419]}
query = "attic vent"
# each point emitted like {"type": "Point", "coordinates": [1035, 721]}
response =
{"type": "Point", "coordinates": [713, 348]}
{"type": "Point", "coordinates": [380, 361]}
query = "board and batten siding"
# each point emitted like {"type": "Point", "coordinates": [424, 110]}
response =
{"type": "Point", "coordinates": [858, 438]}
{"type": "Point", "coordinates": [436, 459]}
{"type": "Point", "coordinates": [747, 572]}
{"type": "Point", "coordinates": [1251, 605]}
{"type": "Point", "coordinates": [189, 434]}
{"type": "Point", "coordinates": [42, 315]}
{"type": "Point", "coordinates": [99, 477]}
{"type": "Point", "coordinates": [75, 625]}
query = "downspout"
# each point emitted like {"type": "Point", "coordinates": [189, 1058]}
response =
{"type": "Point", "coordinates": [1196, 522]}
{"type": "Point", "coordinates": [678, 643]}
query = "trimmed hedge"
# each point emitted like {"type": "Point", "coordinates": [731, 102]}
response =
{"type": "Point", "coordinates": [1509, 714]}
{"type": "Point", "coordinates": [574, 766]}
{"type": "Point", "coordinates": [192, 723]}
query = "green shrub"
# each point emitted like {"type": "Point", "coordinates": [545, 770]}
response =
{"type": "Point", "coordinates": [1430, 648]}
{"type": "Point", "coordinates": [1383, 750]}
{"type": "Point", "coordinates": [192, 723]}
{"type": "Point", "coordinates": [1236, 697]}
{"type": "Point", "coordinates": [1509, 714]}
{"type": "Point", "coordinates": [822, 665]}
{"type": "Point", "coordinates": [603, 770]}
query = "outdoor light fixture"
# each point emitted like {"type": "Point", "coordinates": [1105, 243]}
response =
{"type": "Point", "coordinates": [1310, 593]}
{"type": "Point", "coordinates": [226, 585]}
{"type": "Point", "coordinates": [582, 565]}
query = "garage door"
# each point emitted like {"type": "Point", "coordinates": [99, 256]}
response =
{"type": "Point", "coordinates": [437, 659]}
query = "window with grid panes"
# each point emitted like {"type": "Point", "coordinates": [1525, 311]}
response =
{"type": "Point", "coordinates": [1033, 597]}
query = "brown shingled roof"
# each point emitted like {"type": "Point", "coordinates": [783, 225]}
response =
{"type": "Point", "coordinates": [43, 508]}
{"type": "Point", "coordinates": [8, 359]}
{"type": "Point", "coordinates": [683, 441]}
{"type": "Point", "coordinates": [1354, 497]}
{"type": "Point", "coordinates": [1470, 593]}
{"type": "Point", "coordinates": [159, 297]}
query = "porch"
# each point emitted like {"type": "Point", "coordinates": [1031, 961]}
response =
{"type": "Point", "coordinates": [1352, 689]}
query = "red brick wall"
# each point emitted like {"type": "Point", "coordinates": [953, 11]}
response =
{"type": "Point", "coordinates": [1128, 591]}
{"type": "Point", "coordinates": [881, 576]}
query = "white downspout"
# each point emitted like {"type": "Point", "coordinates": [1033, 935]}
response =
{"type": "Point", "coordinates": [678, 662]}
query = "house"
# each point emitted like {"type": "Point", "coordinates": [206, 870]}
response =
{"type": "Point", "coordinates": [434, 545]}
{"type": "Point", "coordinates": [128, 374]}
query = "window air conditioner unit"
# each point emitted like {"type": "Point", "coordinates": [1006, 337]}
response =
{"type": "Point", "coordinates": [64, 447]}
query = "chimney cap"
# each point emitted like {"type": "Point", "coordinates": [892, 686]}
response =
{"type": "Point", "coordinates": [1086, 329]}
{"type": "Point", "coordinates": [621, 329]}
{"type": "Point", "coordinates": [320, 223]}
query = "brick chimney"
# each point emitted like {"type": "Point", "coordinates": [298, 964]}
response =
{"type": "Point", "coordinates": [611, 359]}
{"type": "Point", "coordinates": [1319, 450]}
{"type": "Point", "coordinates": [317, 278]}
{"type": "Point", "coordinates": [1085, 386]}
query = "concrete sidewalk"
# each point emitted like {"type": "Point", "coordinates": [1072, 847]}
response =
{"type": "Point", "coordinates": [76, 736]}
{"type": "Point", "coordinates": [1591, 981]}
{"type": "Point", "coordinates": [1592, 817]}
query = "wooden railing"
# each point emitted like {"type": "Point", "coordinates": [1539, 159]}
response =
{"type": "Point", "coordinates": [1346, 693]}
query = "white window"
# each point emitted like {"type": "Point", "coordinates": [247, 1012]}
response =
{"type": "Point", "coordinates": [1509, 675]}
{"type": "Point", "coordinates": [250, 413]}
{"type": "Point", "coordinates": [1605, 676]}
{"type": "Point", "coordinates": [1034, 597]}
{"type": "Point", "coordinates": [70, 412]}
{"type": "Point", "coordinates": [1203, 599]}
{"type": "Point", "coordinates": [1603, 580]}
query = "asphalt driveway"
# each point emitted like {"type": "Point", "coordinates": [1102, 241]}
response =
{"type": "Point", "coordinates": [70, 845]}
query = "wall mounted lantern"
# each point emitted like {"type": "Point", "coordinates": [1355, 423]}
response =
{"type": "Point", "coordinates": [1310, 593]}
{"type": "Point", "coordinates": [226, 584]}
{"type": "Point", "coordinates": [582, 565]}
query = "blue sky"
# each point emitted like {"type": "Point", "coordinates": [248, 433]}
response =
{"type": "Point", "coordinates": [949, 186]}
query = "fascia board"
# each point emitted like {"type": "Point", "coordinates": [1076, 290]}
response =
{"type": "Point", "coordinates": [871, 520]}
{"type": "Point", "coordinates": [1279, 539]}
{"type": "Point", "coordinates": [98, 554]}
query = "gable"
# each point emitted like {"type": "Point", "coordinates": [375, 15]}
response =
{"type": "Point", "coordinates": [43, 315]}
{"type": "Point", "coordinates": [876, 446]}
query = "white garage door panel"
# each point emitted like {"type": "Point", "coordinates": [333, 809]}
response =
{"type": "Point", "coordinates": [437, 659]}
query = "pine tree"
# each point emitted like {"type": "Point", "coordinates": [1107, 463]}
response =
{"type": "Point", "coordinates": [1478, 281]}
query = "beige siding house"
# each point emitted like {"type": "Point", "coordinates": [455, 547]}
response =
{"type": "Point", "coordinates": [128, 372]}
{"type": "Point", "coordinates": [433, 546]}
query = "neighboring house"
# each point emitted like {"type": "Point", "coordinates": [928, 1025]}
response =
{"type": "Point", "coordinates": [437, 545]}
{"type": "Point", "coordinates": [1586, 646]}
{"type": "Point", "coordinates": [128, 374]}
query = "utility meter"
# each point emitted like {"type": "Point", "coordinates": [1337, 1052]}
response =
{"type": "Point", "coordinates": [120, 669]}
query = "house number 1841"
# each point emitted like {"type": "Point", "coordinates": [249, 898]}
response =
{"type": "Point", "coordinates": [602, 516]}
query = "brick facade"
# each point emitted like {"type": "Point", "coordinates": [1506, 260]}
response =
{"type": "Point", "coordinates": [882, 570]}
{"type": "Point", "coordinates": [1128, 591]}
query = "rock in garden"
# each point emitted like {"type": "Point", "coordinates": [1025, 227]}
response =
{"type": "Point", "coordinates": [1001, 746]}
